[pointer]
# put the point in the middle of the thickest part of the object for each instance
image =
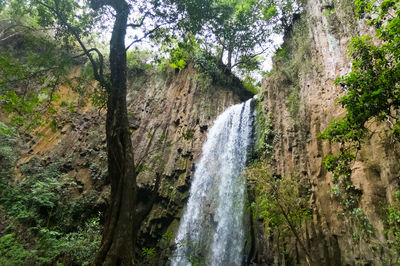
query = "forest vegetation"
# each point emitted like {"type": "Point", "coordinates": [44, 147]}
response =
{"type": "Point", "coordinates": [43, 42]}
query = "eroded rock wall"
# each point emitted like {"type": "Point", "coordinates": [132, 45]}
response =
{"type": "Point", "coordinates": [299, 99]}
{"type": "Point", "coordinates": [170, 119]}
{"type": "Point", "coordinates": [169, 114]}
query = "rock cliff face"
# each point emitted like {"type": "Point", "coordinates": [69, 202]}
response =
{"type": "Point", "coordinates": [170, 119]}
{"type": "Point", "coordinates": [169, 114]}
{"type": "Point", "coordinates": [299, 100]}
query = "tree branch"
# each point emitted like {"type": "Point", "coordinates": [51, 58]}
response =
{"type": "Point", "coordinates": [146, 35]}
{"type": "Point", "coordinates": [140, 23]}
{"type": "Point", "coordinates": [291, 225]}
{"type": "Point", "coordinates": [3, 32]}
{"type": "Point", "coordinates": [99, 54]}
{"type": "Point", "coordinates": [97, 69]}
{"type": "Point", "coordinates": [97, 4]}
{"type": "Point", "coordinates": [250, 57]}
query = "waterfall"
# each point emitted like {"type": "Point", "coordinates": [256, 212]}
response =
{"type": "Point", "coordinates": [211, 230]}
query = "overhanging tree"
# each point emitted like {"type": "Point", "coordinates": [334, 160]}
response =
{"type": "Point", "coordinates": [73, 21]}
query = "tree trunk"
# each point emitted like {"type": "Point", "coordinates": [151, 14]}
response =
{"type": "Point", "coordinates": [229, 63]}
{"type": "Point", "coordinates": [120, 229]}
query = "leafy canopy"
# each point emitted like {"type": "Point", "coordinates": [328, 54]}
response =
{"type": "Point", "coordinates": [241, 30]}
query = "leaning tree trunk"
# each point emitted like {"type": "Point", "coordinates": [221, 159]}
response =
{"type": "Point", "coordinates": [120, 229]}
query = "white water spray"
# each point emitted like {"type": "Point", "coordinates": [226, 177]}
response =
{"type": "Point", "coordinates": [211, 230]}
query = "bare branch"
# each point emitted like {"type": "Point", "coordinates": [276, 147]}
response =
{"type": "Point", "coordinates": [3, 32]}
{"type": "Point", "coordinates": [9, 36]}
{"type": "Point", "coordinates": [250, 57]}
{"type": "Point", "coordinates": [89, 51]}
{"type": "Point", "coordinates": [146, 35]}
{"type": "Point", "coordinates": [141, 21]}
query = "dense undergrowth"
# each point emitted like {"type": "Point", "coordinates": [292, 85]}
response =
{"type": "Point", "coordinates": [42, 223]}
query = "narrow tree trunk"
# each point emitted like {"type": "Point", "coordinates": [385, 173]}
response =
{"type": "Point", "coordinates": [120, 230]}
{"type": "Point", "coordinates": [229, 64]}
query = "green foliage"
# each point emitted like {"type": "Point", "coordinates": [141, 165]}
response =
{"type": "Point", "coordinates": [8, 144]}
{"type": "Point", "coordinates": [344, 190]}
{"type": "Point", "coordinates": [373, 88]}
{"type": "Point", "coordinates": [242, 27]}
{"type": "Point", "coordinates": [393, 219]}
{"type": "Point", "coordinates": [282, 203]}
{"type": "Point", "coordinates": [248, 84]}
{"type": "Point", "coordinates": [209, 70]}
{"type": "Point", "coordinates": [266, 138]}
{"type": "Point", "coordinates": [293, 58]}
{"type": "Point", "coordinates": [64, 230]}
{"type": "Point", "coordinates": [11, 251]}
{"type": "Point", "coordinates": [293, 102]}
{"type": "Point", "coordinates": [148, 252]}
{"type": "Point", "coordinates": [139, 60]}
{"type": "Point", "coordinates": [188, 134]}
{"type": "Point", "coordinates": [31, 66]}
{"type": "Point", "coordinates": [269, 12]}
{"type": "Point", "coordinates": [24, 109]}
{"type": "Point", "coordinates": [183, 51]}
{"type": "Point", "coordinates": [168, 236]}
{"type": "Point", "coordinates": [76, 247]}
{"type": "Point", "coordinates": [372, 92]}
{"type": "Point", "coordinates": [329, 11]}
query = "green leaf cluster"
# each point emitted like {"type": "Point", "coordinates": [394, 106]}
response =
{"type": "Point", "coordinates": [373, 86]}
{"type": "Point", "coordinates": [63, 230]}
{"type": "Point", "coordinates": [282, 202]}
{"type": "Point", "coordinates": [183, 51]}
{"type": "Point", "coordinates": [31, 66]}
{"type": "Point", "coordinates": [372, 93]}
{"type": "Point", "coordinates": [393, 219]}
{"type": "Point", "coordinates": [11, 251]}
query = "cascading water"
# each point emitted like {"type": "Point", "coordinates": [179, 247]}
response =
{"type": "Point", "coordinates": [211, 230]}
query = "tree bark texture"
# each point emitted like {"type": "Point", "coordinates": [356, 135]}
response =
{"type": "Point", "coordinates": [120, 229]}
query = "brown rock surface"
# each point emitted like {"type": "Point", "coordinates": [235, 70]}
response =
{"type": "Point", "coordinates": [169, 114]}
{"type": "Point", "coordinates": [299, 151]}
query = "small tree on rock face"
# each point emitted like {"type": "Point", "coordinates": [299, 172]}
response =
{"type": "Point", "coordinates": [282, 203]}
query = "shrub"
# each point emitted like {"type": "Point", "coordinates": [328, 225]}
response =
{"type": "Point", "coordinates": [281, 202]}
{"type": "Point", "coordinates": [11, 251]}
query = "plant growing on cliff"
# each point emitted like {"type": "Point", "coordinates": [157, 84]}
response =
{"type": "Point", "coordinates": [373, 88]}
{"type": "Point", "coordinates": [393, 219]}
{"type": "Point", "coordinates": [266, 137]}
{"type": "Point", "coordinates": [39, 208]}
{"type": "Point", "coordinates": [282, 203]}
{"type": "Point", "coordinates": [372, 91]}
